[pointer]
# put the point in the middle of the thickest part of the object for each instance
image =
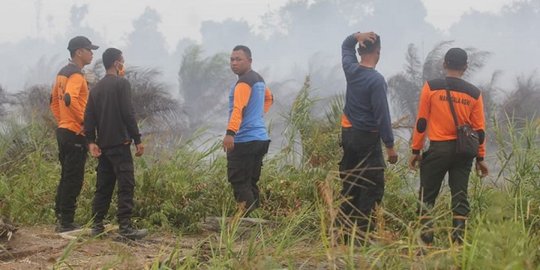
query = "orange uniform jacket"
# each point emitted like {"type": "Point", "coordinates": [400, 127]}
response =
{"type": "Point", "coordinates": [435, 116]}
{"type": "Point", "coordinates": [68, 98]}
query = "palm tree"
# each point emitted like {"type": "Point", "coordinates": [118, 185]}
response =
{"type": "Point", "coordinates": [153, 103]}
{"type": "Point", "coordinates": [34, 102]}
{"type": "Point", "coordinates": [204, 85]}
{"type": "Point", "coordinates": [521, 104]}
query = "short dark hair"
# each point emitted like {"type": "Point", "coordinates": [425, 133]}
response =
{"type": "Point", "coordinates": [456, 59]}
{"type": "Point", "coordinates": [370, 46]}
{"type": "Point", "coordinates": [109, 56]}
{"type": "Point", "coordinates": [243, 48]}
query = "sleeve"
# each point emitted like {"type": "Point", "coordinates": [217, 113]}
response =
{"type": "Point", "coordinates": [268, 99]}
{"type": "Point", "coordinates": [90, 122]}
{"type": "Point", "coordinates": [478, 123]}
{"type": "Point", "coordinates": [241, 95]}
{"type": "Point", "coordinates": [348, 55]}
{"type": "Point", "coordinates": [72, 96]}
{"type": "Point", "coordinates": [422, 120]}
{"type": "Point", "coordinates": [379, 102]}
{"type": "Point", "coordinates": [128, 112]}
{"type": "Point", "coordinates": [55, 107]}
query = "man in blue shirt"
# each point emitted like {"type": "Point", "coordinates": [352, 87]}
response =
{"type": "Point", "coordinates": [246, 140]}
{"type": "Point", "coordinates": [365, 123]}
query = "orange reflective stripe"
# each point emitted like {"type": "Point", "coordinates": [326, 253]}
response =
{"type": "Point", "coordinates": [55, 97]}
{"type": "Point", "coordinates": [424, 110]}
{"type": "Point", "coordinates": [268, 99]}
{"type": "Point", "coordinates": [345, 121]}
{"type": "Point", "coordinates": [241, 95]}
{"type": "Point", "coordinates": [478, 123]}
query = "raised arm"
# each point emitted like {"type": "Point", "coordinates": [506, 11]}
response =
{"type": "Point", "coordinates": [348, 53]}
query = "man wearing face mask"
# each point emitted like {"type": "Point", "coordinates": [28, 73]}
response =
{"type": "Point", "coordinates": [68, 101]}
{"type": "Point", "coordinates": [110, 127]}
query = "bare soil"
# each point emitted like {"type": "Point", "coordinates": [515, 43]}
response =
{"type": "Point", "coordinates": [41, 248]}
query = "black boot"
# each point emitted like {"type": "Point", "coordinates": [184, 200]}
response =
{"type": "Point", "coordinates": [97, 228]}
{"type": "Point", "coordinates": [66, 224]}
{"type": "Point", "coordinates": [60, 228]}
{"type": "Point", "coordinates": [126, 230]}
{"type": "Point", "coordinates": [458, 229]}
{"type": "Point", "coordinates": [426, 235]}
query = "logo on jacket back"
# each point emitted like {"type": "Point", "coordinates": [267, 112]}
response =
{"type": "Point", "coordinates": [456, 100]}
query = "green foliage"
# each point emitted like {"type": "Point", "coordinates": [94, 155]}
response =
{"type": "Point", "coordinates": [316, 141]}
{"type": "Point", "coordinates": [179, 185]}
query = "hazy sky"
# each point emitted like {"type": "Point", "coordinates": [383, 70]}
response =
{"type": "Point", "coordinates": [180, 18]}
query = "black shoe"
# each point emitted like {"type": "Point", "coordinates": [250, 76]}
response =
{"type": "Point", "coordinates": [97, 229]}
{"type": "Point", "coordinates": [427, 238]}
{"type": "Point", "coordinates": [458, 230]}
{"type": "Point", "coordinates": [132, 233]}
{"type": "Point", "coordinates": [60, 228]}
{"type": "Point", "coordinates": [426, 233]}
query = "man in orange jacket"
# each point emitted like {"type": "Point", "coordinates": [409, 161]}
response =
{"type": "Point", "coordinates": [435, 119]}
{"type": "Point", "coordinates": [68, 101]}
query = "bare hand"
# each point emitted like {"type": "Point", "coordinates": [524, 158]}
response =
{"type": "Point", "coordinates": [392, 155]}
{"type": "Point", "coordinates": [481, 168]}
{"type": "Point", "coordinates": [228, 143]}
{"type": "Point", "coordinates": [139, 150]}
{"type": "Point", "coordinates": [414, 161]}
{"type": "Point", "coordinates": [94, 149]}
{"type": "Point", "coordinates": [362, 37]}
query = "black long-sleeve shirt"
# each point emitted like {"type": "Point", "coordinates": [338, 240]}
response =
{"type": "Point", "coordinates": [110, 115]}
{"type": "Point", "coordinates": [366, 104]}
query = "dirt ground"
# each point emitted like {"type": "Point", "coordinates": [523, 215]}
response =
{"type": "Point", "coordinates": [39, 247]}
{"type": "Point", "coordinates": [42, 248]}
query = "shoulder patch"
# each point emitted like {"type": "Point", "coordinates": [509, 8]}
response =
{"type": "Point", "coordinates": [250, 78]}
{"type": "Point", "coordinates": [69, 70]}
{"type": "Point", "coordinates": [437, 84]}
{"type": "Point", "coordinates": [455, 84]}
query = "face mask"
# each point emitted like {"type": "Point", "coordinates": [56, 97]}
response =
{"type": "Point", "coordinates": [121, 70]}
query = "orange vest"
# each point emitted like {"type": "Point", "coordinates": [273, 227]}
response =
{"type": "Point", "coordinates": [435, 117]}
{"type": "Point", "coordinates": [68, 98]}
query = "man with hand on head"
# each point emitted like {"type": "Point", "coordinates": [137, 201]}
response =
{"type": "Point", "coordinates": [110, 128]}
{"type": "Point", "coordinates": [365, 123]}
{"type": "Point", "coordinates": [246, 140]}
{"type": "Point", "coordinates": [68, 102]}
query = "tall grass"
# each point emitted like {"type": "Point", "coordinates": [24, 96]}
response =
{"type": "Point", "coordinates": [177, 189]}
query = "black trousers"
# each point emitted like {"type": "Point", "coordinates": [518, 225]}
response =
{"type": "Point", "coordinates": [114, 165]}
{"type": "Point", "coordinates": [244, 166]}
{"type": "Point", "coordinates": [362, 172]}
{"type": "Point", "coordinates": [72, 151]}
{"type": "Point", "coordinates": [439, 159]}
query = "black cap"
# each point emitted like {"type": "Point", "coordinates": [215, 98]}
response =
{"type": "Point", "coordinates": [79, 42]}
{"type": "Point", "coordinates": [456, 58]}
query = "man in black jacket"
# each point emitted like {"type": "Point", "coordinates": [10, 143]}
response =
{"type": "Point", "coordinates": [110, 114]}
